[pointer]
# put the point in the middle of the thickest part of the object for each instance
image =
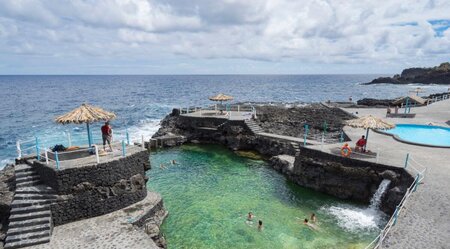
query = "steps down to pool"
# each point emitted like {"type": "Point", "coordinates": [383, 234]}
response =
{"type": "Point", "coordinates": [30, 220]}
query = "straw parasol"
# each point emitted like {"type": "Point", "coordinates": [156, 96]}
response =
{"type": "Point", "coordinates": [369, 122]}
{"type": "Point", "coordinates": [417, 90]}
{"type": "Point", "coordinates": [221, 97]}
{"type": "Point", "coordinates": [85, 114]}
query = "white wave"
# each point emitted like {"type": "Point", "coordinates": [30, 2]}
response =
{"type": "Point", "coordinates": [355, 219]}
{"type": "Point", "coordinates": [146, 128]}
{"type": "Point", "coordinates": [4, 162]}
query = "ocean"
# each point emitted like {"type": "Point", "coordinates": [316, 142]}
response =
{"type": "Point", "coordinates": [29, 104]}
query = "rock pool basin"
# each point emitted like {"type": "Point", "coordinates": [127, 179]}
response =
{"type": "Point", "coordinates": [210, 190]}
{"type": "Point", "coordinates": [426, 135]}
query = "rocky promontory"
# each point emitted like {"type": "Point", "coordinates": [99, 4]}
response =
{"type": "Point", "coordinates": [432, 75]}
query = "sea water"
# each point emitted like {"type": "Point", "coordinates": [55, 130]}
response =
{"type": "Point", "coordinates": [29, 104]}
{"type": "Point", "coordinates": [210, 190]}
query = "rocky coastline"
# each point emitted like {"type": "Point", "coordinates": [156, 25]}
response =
{"type": "Point", "coordinates": [382, 103]}
{"type": "Point", "coordinates": [7, 187]}
{"type": "Point", "coordinates": [320, 171]}
{"type": "Point", "coordinates": [433, 75]}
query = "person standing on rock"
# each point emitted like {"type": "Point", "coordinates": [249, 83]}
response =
{"type": "Point", "coordinates": [107, 135]}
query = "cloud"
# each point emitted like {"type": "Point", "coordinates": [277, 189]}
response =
{"type": "Point", "coordinates": [308, 31]}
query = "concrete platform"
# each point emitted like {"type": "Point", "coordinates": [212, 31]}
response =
{"type": "Point", "coordinates": [113, 230]}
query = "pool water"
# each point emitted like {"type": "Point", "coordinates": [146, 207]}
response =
{"type": "Point", "coordinates": [210, 190]}
{"type": "Point", "coordinates": [422, 134]}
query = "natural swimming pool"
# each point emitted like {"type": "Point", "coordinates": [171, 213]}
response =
{"type": "Point", "coordinates": [210, 190]}
{"type": "Point", "coordinates": [422, 134]}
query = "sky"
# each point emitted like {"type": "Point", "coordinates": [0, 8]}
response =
{"type": "Point", "coordinates": [222, 36]}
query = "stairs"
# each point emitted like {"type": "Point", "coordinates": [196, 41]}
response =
{"type": "Point", "coordinates": [30, 221]}
{"type": "Point", "coordinates": [255, 128]}
{"type": "Point", "coordinates": [296, 147]}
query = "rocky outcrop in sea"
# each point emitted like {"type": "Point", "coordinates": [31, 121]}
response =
{"type": "Point", "coordinates": [433, 75]}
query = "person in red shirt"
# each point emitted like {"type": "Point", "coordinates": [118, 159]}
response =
{"type": "Point", "coordinates": [361, 144]}
{"type": "Point", "coordinates": [107, 135]}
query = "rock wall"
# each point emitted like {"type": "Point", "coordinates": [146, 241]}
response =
{"type": "Point", "coordinates": [231, 133]}
{"type": "Point", "coordinates": [7, 189]}
{"type": "Point", "coordinates": [89, 191]}
{"type": "Point", "coordinates": [89, 200]}
{"type": "Point", "coordinates": [102, 174]}
{"type": "Point", "coordinates": [345, 178]}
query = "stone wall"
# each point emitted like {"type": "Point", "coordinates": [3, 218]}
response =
{"type": "Point", "coordinates": [346, 178]}
{"type": "Point", "coordinates": [103, 174]}
{"type": "Point", "coordinates": [93, 190]}
{"type": "Point", "coordinates": [89, 200]}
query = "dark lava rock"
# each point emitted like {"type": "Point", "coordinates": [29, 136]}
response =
{"type": "Point", "coordinates": [7, 189]}
{"type": "Point", "coordinates": [291, 121]}
{"type": "Point", "coordinates": [375, 102]}
{"type": "Point", "coordinates": [433, 75]}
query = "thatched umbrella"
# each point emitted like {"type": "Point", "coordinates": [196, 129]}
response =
{"type": "Point", "coordinates": [417, 91]}
{"type": "Point", "coordinates": [85, 114]}
{"type": "Point", "coordinates": [369, 122]}
{"type": "Point", "coordinates": [220, 97]}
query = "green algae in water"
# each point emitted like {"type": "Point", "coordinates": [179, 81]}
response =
{"type": "Point", "coordinates": [210, 190]}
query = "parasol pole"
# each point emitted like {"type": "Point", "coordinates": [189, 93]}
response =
{"type": "Point", "coordinates": [89, 134]}
{"type": "Point", "coordinates": [367, 138]}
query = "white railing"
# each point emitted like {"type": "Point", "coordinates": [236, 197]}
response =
{"type": "Point", "coordinates": [223, 109]}
{"type": "Point", "coordinates": [41, 150]}
{"type": "Point", "coordinates": [420, 175]}
{"type": "Point", "coordinates": [438, 98]}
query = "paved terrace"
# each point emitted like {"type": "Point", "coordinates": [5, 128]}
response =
{"type": "Point", "coordinates": [425, 222]}
{"type": "Point", "coordinates": [89, 160]}
{"type": "Point", "coordinates": [231, 115]}
{"type": "Point", "coordinates": [113, 230]}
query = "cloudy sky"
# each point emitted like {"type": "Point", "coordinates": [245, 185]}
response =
{"type": "Point", "coordinates": [221, 36]}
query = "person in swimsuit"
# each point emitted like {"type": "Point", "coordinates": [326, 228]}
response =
{"type": "Point", "coordinates": [260, 225]}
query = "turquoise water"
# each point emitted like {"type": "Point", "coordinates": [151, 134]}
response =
{"type": "Point", "coordinates": [423, 134]}
{"type": "Point", "coordinates": [210, 190]}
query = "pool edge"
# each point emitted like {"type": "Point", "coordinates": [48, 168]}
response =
{"type": "Point", "coordinates": [410, 142]}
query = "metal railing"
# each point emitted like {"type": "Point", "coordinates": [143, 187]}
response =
{"type": "Point", "coordinates": [225, 110]}
{"type": "Point", "coordinates": [39, 149]}
{"type": "Point", "coordinates": [438, 98]}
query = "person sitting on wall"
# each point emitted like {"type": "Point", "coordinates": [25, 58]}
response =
{"type": "Point", "coordinates": [361, 144]}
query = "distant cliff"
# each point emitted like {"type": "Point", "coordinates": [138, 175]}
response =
{"type": "Point", "coordinates": [432, 75]}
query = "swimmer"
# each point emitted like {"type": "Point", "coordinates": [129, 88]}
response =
{"type": "Point", "coordinates": [313, 218]}
{"type": "Point", "coordinates": [311, 226]}
{"type": "Point", "coordinates": [161, 166]}
{"type": "Point", "coordinates": [250, 216]}
{"type": "Point", "coordinates": [260, 225]}
{"type": "Point", "coordinates": [174, 162]}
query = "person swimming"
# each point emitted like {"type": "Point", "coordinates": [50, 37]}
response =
{"type": "Point", "coordinates": [308, 224]}
{"type": "Point", "coordinates": [161, 166]}
{"type": "Point", "coordinates": [250, 216]}
{"type": "Point", "coordinates": [313, 218]}
{"type": "Point", "coordinates": [174, 162]}
{"type": "Point", "coordinates": [260, 225]}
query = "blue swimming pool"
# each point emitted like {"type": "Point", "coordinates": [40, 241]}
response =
{"type": "Point", "coordinates": [421, 134]}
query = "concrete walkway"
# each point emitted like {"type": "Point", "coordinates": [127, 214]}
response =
{"type": "Point", "coordinates": [425, 221]}
{"type": "Point", "coordinates": [109, 231]}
